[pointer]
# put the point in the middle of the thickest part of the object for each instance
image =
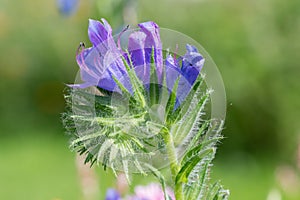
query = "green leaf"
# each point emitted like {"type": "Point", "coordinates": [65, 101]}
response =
{"type": "Point", "coordinates": [122, 87]}
{"type": "Point", "coordinates": [172, 101]}
{"type": "Point", "coordinates": [196, 139]}
{"type": "Point", "coordinates": [216, 192]}
{"type": "Point", "coordinates": [187, 168]}
{"type": "Point", "coordinates": [125, 161]}
{"type": "Point", "coordinates": [164, 94]}
{"type": "Point", "coordinates": [190, 121]}
{"type": "Point", "coordinates": [197, 188]}
{"type": "Point", "coordinates": [105, 148]}
{"type": "Point", "coordinates": [186, 104]}
{"type": "Point", "coordinates": [88, 137]}
{"type": "Point", "coordinates": [209, 138]}
{"type": "Point", "coordinates": [137, 85]}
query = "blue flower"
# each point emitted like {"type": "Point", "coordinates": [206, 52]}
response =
{"type": "Point", "coordinates": [112, 194]}
{"type": "Point", "coordinates": [189, 70]}
{"type": "Point", "coordinates": [101, 64]}
{"type": "Point", "coordinates": [67, 7]}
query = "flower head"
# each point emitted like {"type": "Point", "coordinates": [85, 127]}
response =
{"type": "Point", "coordinates": [148, 112]}
{"type": "Point", "coordinates": [140, 92]}
{"type": "Point", "coordinates": [102, 64]}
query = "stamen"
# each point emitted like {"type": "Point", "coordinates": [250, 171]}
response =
{"type": "Point", "coordinates": [80, 48]}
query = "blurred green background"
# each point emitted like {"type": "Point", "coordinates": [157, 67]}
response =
{"type": "Point", "coordinates": [255, 44]}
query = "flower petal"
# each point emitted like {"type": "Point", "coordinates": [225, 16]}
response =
{"type": "Point", "coordinates": [98, 66]}
{"type": "Point", "coordinates": [139, 58]}
{"type": "Point", "coordinates": [88, 71]}
{"type": "Point", "coordinates": [136, 46]}
{"type": "Point", "coordinates": [151, 30]}
{"type": "Point", "coordinates": [98, 32]}
{"type": "Point", "coordinates": [173, 72]}
{"type": "Point", "coordinates": [192, 63]}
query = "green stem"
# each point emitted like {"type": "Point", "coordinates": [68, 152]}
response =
{"type": "Point", "coordinates": [174, 166]}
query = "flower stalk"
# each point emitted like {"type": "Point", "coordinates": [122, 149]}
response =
{"type": "Point", "coordinates": [174, 165]}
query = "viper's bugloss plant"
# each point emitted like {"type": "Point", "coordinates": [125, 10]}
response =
{"type": "Point", "coordinates": [142, 108]}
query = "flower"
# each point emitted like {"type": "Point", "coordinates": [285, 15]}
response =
{"type": "Point", "coordinates": [112, 194]}
{"type": "Point", "coordinates": [101, 64]}
{"type": "Point", "coordinates": [152, 191]}
{"type": "Point", "coordinates": [67, 7]}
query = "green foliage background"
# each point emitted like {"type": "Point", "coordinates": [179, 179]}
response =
{"type": "Point", "coordinates": [255, 44]}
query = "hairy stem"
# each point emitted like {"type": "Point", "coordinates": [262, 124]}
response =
{"type": "Point", "coordinates": [174, 166]}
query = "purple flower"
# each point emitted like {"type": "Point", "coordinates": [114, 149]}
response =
{"type": "Point", "coordinates": [151, 192]}
{"type": "Point", "coordinates": [102, 63]}
{"type": "Point", "coordinates": [67, 7]}
{"type": "Point", "coordinates": [112, 194]}
{"type": "Point", "coordinates": [140, 46]}
{"type": "Point", "coordinates": [187, 72]}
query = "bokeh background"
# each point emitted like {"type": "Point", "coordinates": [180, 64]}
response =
{"type": "Point", "coordinates": [255, 44]}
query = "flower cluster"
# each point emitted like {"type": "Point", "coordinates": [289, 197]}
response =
{"type": "Point", "coordinates": [142, 108]}
{"type": "Point", "coordinates": [102, 64]}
